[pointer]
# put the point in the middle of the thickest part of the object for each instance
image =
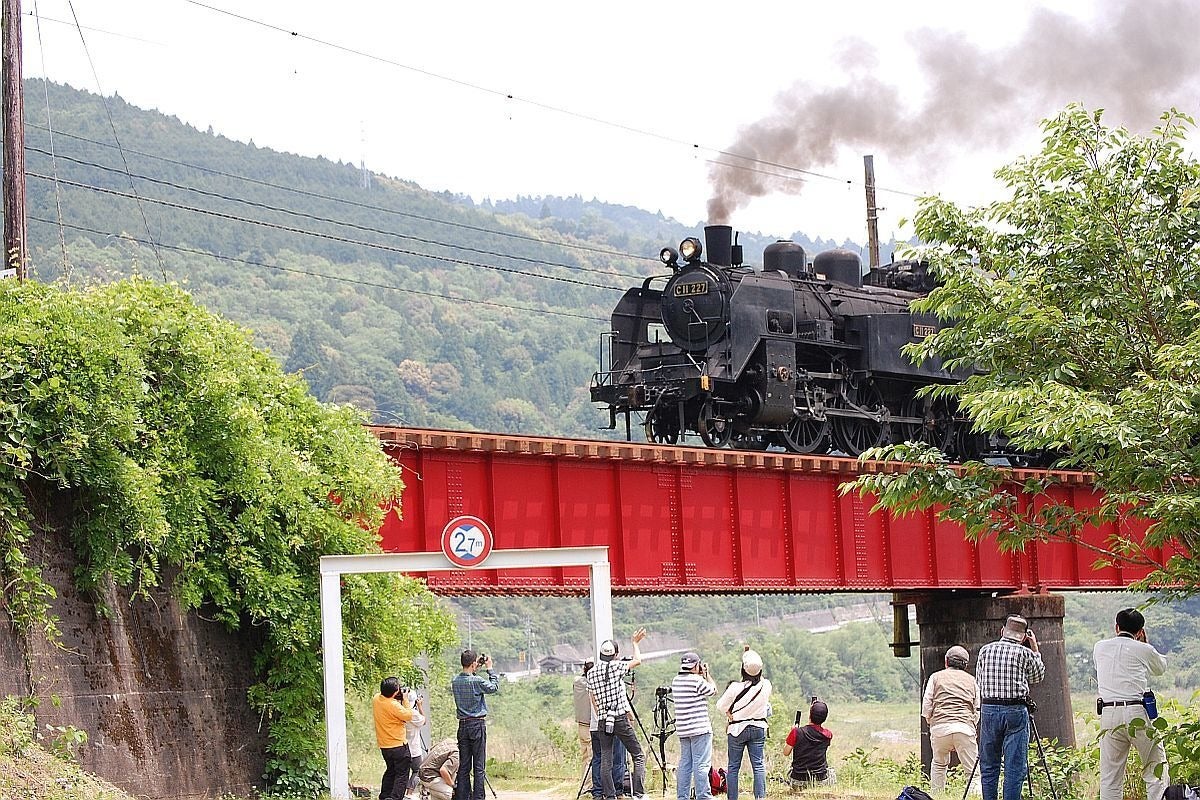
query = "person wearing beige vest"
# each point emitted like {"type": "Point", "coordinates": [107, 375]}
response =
{"type": "Point", "coordinates": [951, 707]}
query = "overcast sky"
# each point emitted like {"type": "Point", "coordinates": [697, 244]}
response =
{"type": "Point", "coordinates": [632, 102]}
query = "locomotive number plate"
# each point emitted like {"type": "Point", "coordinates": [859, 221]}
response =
{"type": "Point", "coordinates": [921, 331]}
{"type": "Point", "coordinates": [690, 289]}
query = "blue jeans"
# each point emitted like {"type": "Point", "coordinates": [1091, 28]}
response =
{"type": "Point", "coordinates": [472, 760]}
{"type": "Point", "coordinates": [695, 759]}
{"type": "Point", "coordinates": [1003, 732]}
{"type": "Point", "coordinates": [752, 739]}
{"type": "Point", "coordinates": [618, 765]}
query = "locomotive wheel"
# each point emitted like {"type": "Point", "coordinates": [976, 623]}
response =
{"type": "Point", "coordinates": [934, 430]}
{"type": "Point", "coordinates": [806, 435]}
{"type": "Point", "coordinates": [855, 435]}
{"type": "Point", "coordinates": [661, 430]}
{"type": "Point", "coordinates": [714, 431]}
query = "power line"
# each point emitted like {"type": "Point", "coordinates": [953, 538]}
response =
{"type": "Point", "coordinates": [112, 125]}
{"type": "Point", "coordinates": [338, 278]}
{"type": "Point", "coordinates": [366, 206]}
{"type": "Point", "coordinates": [329, 236]}
{"type": "Point", "coordinates": [544, 106]}
{"type": "Point", "coordinates": [353, 225]}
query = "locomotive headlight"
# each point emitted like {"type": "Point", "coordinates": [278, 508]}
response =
{"type": "Point", "coordinates": [668, 256]}
{"type": "Point", "coordinates": [690, 248]}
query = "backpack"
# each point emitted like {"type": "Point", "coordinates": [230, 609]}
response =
{"type": "Point", "coordinates": [912, 793]}
{"type": "Point", "coordinates": [1181, 792]}
{"type": "Point", "coordinates": [716, 780]}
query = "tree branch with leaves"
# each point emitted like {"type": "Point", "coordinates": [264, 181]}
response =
{"type": "Point", "coordinates": [1076, 301]}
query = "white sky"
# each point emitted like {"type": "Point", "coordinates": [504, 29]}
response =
{"type": "Point", "coordinates": [685, 72]}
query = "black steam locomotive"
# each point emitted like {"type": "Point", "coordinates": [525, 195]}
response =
{"type": "Point", "coordinates": [802, 355]}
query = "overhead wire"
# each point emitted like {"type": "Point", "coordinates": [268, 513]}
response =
{"type": "Point", "coordinates": [366, 206]}
{"type": "Point", "coordinates": [328, 236]}
{"type": "Point", "coordinates": [342, 223]}
{"type": "Point", "coordinates": [325, 276]}
{"type": "Point", "coordinates": [112, 125]}
{"type": "Point", "coordinates": [542, 105]}
{"type": "Point", "coordinates": [62, 236]}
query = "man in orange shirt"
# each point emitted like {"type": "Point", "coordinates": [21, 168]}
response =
{"type": "Point", "coordinates": [390, 715]}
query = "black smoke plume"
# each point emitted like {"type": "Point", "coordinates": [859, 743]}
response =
{"type": "Point", "coordinates": [1136, 59]}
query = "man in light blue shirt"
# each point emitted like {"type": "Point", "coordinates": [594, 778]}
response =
{"type": "Point", "coordinates": [471, 707]}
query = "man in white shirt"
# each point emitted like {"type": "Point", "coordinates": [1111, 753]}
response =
{"type": "Point", "coordinates": [1124, 665]}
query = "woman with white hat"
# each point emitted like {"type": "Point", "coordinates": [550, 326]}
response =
{"type": "Point", "coordinates": [746, 705]}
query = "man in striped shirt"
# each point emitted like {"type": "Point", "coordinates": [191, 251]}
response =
{"type": "Point", "coordinates": [1005, 670]}
{"type": "Point", "coordinates": [691, 689]}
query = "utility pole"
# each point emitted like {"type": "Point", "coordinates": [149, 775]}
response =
{"type": "Point", "coordinates": [872, 210]}
{"type": "Point", "coordinates": [15, 254]}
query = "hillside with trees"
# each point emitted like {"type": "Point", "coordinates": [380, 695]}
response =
{"type": "Point", "coordinates": [420, 308]}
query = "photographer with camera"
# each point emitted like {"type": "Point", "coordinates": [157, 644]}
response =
{"type": "Point", "coordinates": [606, 681]}
{"type": "Point", "coordinates": [412, 729]}
{"type": "Point", "coordinates": [471, 708]}
{"type": "Point", "coordinates": [809, 748]}
{"type": "Point", "coordinates": [691, 689]}
{"type": "Point", "coordinates": [390, 715]}
{"type": "Point", "coordinates": [1005, 671]}
{"type": "Point", "coordinates": [746, 705]}
{"type": "Point", "coordinates": [1124, 664]}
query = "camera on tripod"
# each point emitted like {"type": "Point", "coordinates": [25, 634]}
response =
{"type": "Point", "coordinates": [662, 692]}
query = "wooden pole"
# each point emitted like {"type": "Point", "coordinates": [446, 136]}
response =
{"type": "Point", "coordinates": [15, 234]}
{"type": "Point", "coordinates": [872, 211]}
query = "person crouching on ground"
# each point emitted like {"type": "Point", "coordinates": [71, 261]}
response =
{"type": "Point", "coordinates": [808, 746]}
{"type": "Point", "coordinates": [951, 707]}
{"type": "Point", "coordinates": [746, 704]}
{"type": "Point", "coordinates": [691, 688]}
{"type": "Point", "coordinates": [390, 717]}
{"type": "Point", "coordinates": [439, 770]}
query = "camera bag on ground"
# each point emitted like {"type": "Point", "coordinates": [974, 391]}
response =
{"type": "Point", "coordinates": [1181, 792]}
{"type": "Point", "coordinates": [912, 793]}
{"type": "Point", "coordinates": [717, 780]}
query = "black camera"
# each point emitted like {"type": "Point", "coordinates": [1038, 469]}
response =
{"type": "Point", "coordinates": [482, 659]}
{"type": "Point", "coordinates": [662, 691]}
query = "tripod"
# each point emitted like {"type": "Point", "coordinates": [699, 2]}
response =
{"type": "Point", "coordinates": [1031, 707]}
{"type": "Point", "coordinates": [664, 726]}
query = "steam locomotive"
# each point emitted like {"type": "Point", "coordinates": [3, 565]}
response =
{"type": "Point", "coordinates": [801, 355]}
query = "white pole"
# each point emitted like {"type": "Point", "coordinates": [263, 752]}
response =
{"type": "Point", "coordinates": [602, 614]}
{"type": "Point", "coordinates": [335, 686]}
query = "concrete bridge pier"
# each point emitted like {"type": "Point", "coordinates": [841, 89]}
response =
{"type": "Point", "coordinates": [972, 620]}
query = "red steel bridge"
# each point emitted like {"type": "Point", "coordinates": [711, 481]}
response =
{"type": "Point", "coordinates": [688, 520]}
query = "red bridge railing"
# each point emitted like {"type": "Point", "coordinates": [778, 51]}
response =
{"type": "Point", "coordinates": [691, 520]}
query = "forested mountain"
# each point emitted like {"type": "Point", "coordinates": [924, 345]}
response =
{"type": "Point", "coordinates": [419, 307]}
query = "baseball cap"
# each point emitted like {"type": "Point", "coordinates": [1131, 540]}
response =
{"type": "Point", "coordinates": [688, 661]}
{"type": "Point", "coordinates": [1015, 628]}
{"type": "Point", "coordinates": [752, 663]}
{"type": "Point", "coordinates": [608, 649]}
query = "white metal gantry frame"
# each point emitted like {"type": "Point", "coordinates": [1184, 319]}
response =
{"type": "Point", "coordinates": [332, 569]}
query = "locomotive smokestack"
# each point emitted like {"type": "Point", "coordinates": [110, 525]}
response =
{"type": "Point", "coordinates": [718, 243]}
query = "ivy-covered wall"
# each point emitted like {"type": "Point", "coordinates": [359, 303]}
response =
{"type": "Point", "coordinates": [160, 692]}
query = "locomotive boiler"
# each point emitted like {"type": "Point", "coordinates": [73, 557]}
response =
{"type": "Point", "coordinates": [804, 355]}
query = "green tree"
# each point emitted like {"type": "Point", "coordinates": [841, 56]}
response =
{"type": "Point", "coordinates": [1077, 298]}
{"type": "Point", "coordinates": [192, 458]}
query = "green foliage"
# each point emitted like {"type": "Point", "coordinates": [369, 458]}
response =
{"type": "Point", "coordinates": [866, 767]}
{"type": "Point", "coordinates": [1078, 299]}
{"type": "Point", "coordinates": [192, 458]}
{"type": "Point", "coordinates": [1067, 767]}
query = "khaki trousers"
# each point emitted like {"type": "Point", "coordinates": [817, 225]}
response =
{"type": "Point", "coordinates": [1115, 742]}
{"type": "Point", "coordinates": [962, 743]}
{"type": "Point", "coordinates": [439, 789]}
